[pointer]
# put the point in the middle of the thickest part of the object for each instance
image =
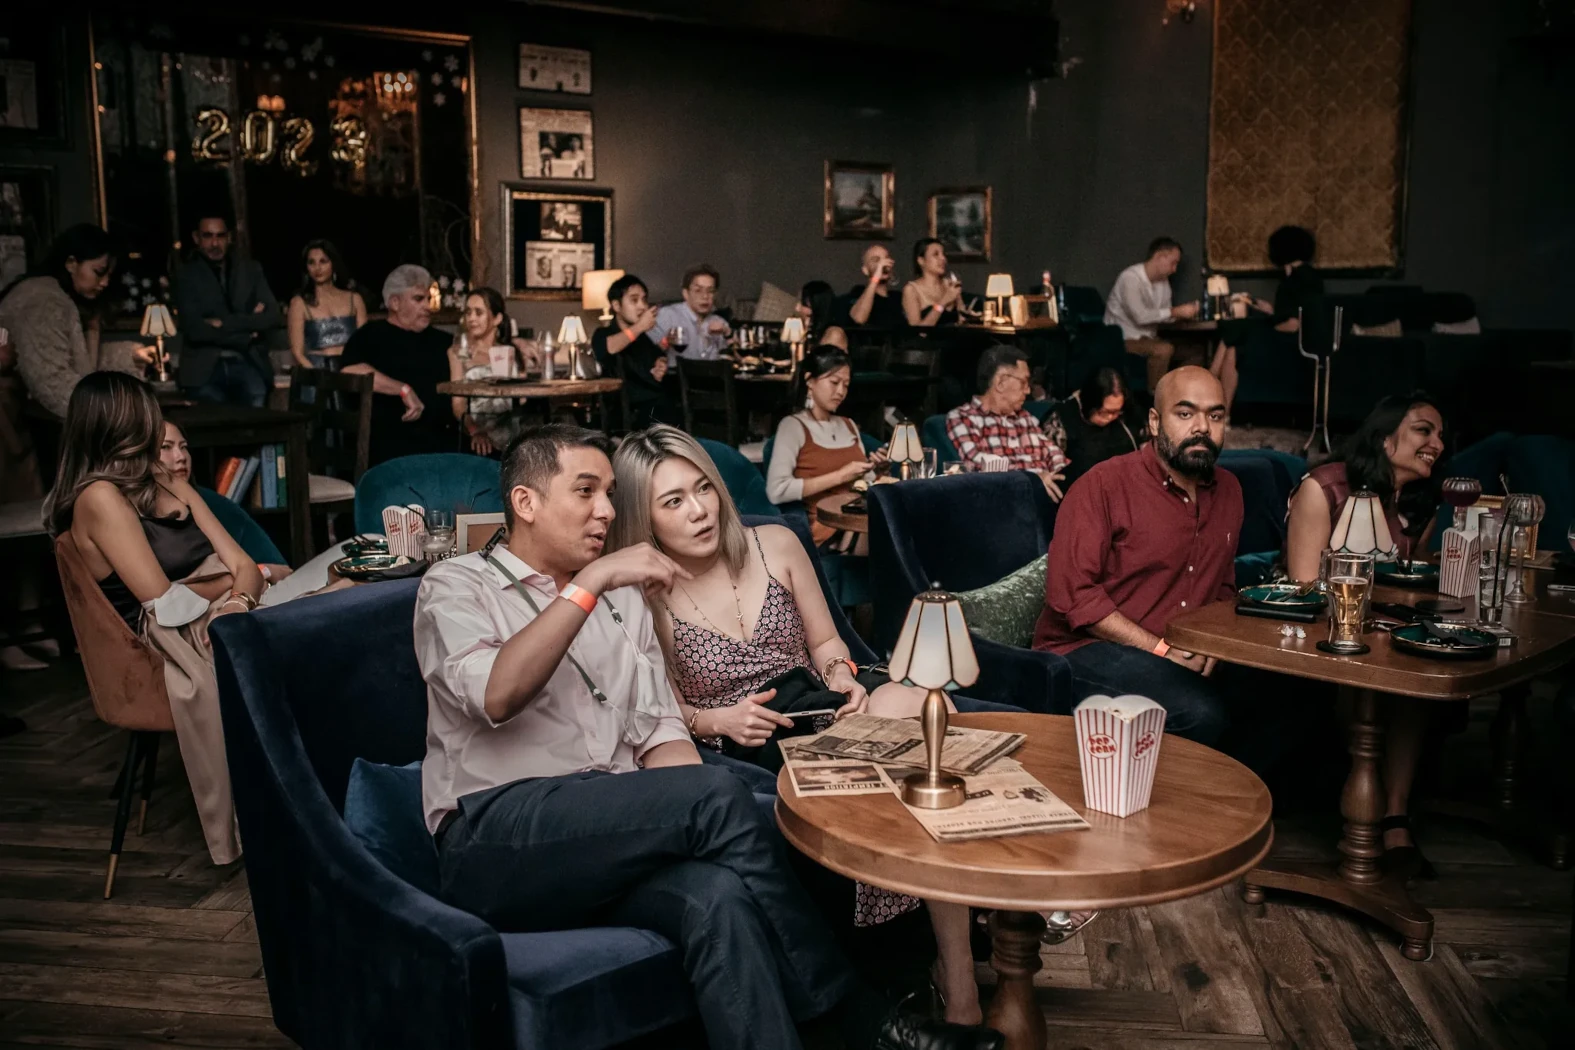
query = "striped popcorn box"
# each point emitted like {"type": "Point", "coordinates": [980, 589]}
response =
{"type": "Point", "coordinates": [990, 463]}
{"type": "Point", "coordinates": [1118, 746]}
{"type": "Point", "coordinates": [404, 528]}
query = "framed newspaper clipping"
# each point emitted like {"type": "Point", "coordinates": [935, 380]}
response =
{"type": "Point", "coordinates": [553, 238]}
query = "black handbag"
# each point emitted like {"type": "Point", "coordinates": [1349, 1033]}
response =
{"type": "Point", "coordinates": [797, 690]}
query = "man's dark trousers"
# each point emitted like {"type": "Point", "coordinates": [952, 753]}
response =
{"type": "Point", "coordinates": [683, 851]}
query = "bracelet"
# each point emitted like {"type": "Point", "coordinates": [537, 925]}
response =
{"type": "Point", "coordinates": [825, 673]}
{"type": "Point", "coordinates": [236, 601]}
{"type": "Point", "coordinates": [244, 598]}
{"type": "Point", "coordinates": [1161, 647]}
{"type": "Point", "coordinates": [404, 389]}
{"type": "Point", "coordinates": [579, 596]}
{"type": "Point", "coordinates": [693, 721]}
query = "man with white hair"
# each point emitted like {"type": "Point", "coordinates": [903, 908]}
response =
{"type": "Point", "coordinates": [407, 358]}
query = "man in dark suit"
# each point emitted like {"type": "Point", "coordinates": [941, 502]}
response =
{"type": "Point", "coordinates": [226, 312]}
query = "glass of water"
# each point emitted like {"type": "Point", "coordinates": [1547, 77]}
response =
{"type": "Point", "coordinates": [931, 463]}
{"type": "Point", "coordinates": [1491, 575]}
{"type": "Point", "coordinates": [438, 542]}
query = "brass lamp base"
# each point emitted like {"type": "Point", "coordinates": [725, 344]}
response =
{"type": "Point", "coordinates": [933, 789]}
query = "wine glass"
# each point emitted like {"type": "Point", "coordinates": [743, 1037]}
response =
{"type": "Point", "coordinates": [1461, 493]}
{"type": "Point", "coordinates": [1523, 511]}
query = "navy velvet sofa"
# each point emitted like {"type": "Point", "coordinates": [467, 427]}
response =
{"type": "Point", "coordinates": [355, 955]}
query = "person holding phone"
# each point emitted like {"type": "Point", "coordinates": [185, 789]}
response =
{"type": "Point", "coordinates": [748, 611]}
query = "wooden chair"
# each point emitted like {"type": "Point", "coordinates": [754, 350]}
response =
{"type": "Point", "coordinates": [920, 363]}
{"type": "Point", "coordinates": [710, 400]}
{"type": "Point", "coordinates": [339, 411]}
{"type": "Point", "coordinates": [126, 681]}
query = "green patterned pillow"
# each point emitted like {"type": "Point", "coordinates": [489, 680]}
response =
{"type": "Point", "coordinates": [1005, 611]}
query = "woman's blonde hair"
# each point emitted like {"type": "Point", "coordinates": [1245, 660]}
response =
{"type": "Point", "coordinates": [112, 433]}
{"type": "Point", "coordinates": [634, 463]}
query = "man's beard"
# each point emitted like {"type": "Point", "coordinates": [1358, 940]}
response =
{"type": "Point", "coordinates": [1193, 458]}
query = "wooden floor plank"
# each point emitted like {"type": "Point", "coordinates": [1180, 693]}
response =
{"type": "Point", "coordinates": [186, 993]}
{"type": "Point", "coordinates": [1215, 980]}
{"type": "Point", "coordinates": [148, 954]}
{"type": "Point", "coordinates": [113, 1028]}
{"type": "Point", "coordinates": [1371, 1005]}
{"type": "Point", "coordinates": [1116, 959]}
{"type": "Point", "coordinates": [1452, 1003]}
{"type": "Point", "coordinates": [1295, 986]}
{"type": "Point", "coordinates": [117, 919]}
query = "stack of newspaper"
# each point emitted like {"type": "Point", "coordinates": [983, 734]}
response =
{"type": "Point", "coordinates": [865, 753]}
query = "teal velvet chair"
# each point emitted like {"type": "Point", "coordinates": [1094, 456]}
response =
{"type": "Point", "coordinates": [257, 544]}
{"type": "Point", "coordinates": [742, 479]}
{"type": "Point", "coordinates": [438, 481]}
{"type": "Point", "coordinates": [933, 433]}
{"type": "Point", "coordinates": [1540, 463]}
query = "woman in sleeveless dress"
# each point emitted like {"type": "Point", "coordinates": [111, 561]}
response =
{"type": "Point", "coordinates": [326, 311]}
{"type": "Point", "coordinates": [1392, 455]}
{"type": "Point", "coordinates": [930, 299]}
{"type": "Point", "coordinates": [817, 452]}
{"type": "Point", "coordinates": [752, 611]}
{"type": "Point", "coordinates": [490, 422]}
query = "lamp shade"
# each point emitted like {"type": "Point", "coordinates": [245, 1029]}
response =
{"type": "Point", "coordinates": [572, 330]}
{"type": "Point", "coordinates": [156, 320]}
{"type": "Point", "coordinates": [793, 330]}
{"type": "Point", "coordinates": [905, 446]}
{"type": "Point", "coordinates": [999, 286]}
{"type": "Point", "coordinates": [1362, 528]}
{"type": "Point", "coordinates": [934, 650]}
{"type": "Point", "coordinates": [594, 286]}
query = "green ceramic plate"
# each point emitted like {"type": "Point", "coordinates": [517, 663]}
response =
{"type": "Point", "coordinates": [1447, 641]}
{"type": "Point", "coordinates": [1399, 573]}
{"type": "Point", "coordinates": [1286, 595]}
{"type": "Point", "coordinates": [369, 568]}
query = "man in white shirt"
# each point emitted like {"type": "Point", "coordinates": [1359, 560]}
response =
{"type": "Point", "coordinates": [704, 336]}
{"type": "Point", "coordinates": [1140, 302]}
{"type": "Point", "coordinates": [564, 790]}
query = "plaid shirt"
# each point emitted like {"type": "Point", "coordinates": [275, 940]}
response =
{"type": "Point", "coordinates": [975, 432]}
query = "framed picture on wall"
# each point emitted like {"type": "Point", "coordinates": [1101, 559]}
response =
{"type": "Point", "coordinates": [960, 219]}
{"type": "Point", "coordinates": [554, 239]}
{"type": "Point", "coordinates": [861, 201]}
{"type": "Point", "coordinates": [556, 144]}
{"type": "Point", "coordinates": [27, 217]}
{"type": "Point", "coordinates": [32, 103]}
{"type": "Point", "coordinates": [565, 69]}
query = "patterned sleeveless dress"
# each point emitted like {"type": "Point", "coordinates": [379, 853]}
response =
{"type": "Point", "coordinates": [714, 670]}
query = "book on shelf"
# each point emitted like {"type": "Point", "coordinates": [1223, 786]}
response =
{"type": "Point", "coordinates": [243, 478]}
{"type": "Point", "coordinates": [226, 475]}
{"type": "Point", "coordinates": [279, 476]}
{"type": "Point", "coordinates": [270, 479]}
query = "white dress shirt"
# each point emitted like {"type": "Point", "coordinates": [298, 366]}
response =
{"type": "Point", "coordinates": [704, 345]}
{"type": "Point", "coordinates": [1138, 304]}
{"type": "Point", "coordinates": [465, 610]}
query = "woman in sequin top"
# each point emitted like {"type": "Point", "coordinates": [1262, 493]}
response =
{"type": "Point", "coordinates": [326, 311]}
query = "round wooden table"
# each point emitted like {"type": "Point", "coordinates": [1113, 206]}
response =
{"type": "Point", "coordinates": [525, 389]}
{"type": "Point", "coordinates": [829, 511]}
{"type": "Point", "coordinates": [1208, 823]}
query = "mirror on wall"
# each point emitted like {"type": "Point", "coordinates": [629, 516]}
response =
{"type": "Point", "coordinates": [358, 135]}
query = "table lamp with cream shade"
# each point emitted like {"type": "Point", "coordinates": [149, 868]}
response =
{"type": "Point", "coordinates": [905, 449]}
{"type": "Point", "coordinates": [157, 322]}
{"type": "Point", "coordinates": [935, 653]}
{"type": "Point", "coordinates": [594, 287]}
{"type": "Point", "coordinates": [999, 289]}
{"type": "Point", "coordinates": [793, 336]}
{"type": "Point", "coordinates": [571, 336]}
{"type": "Point", "coordinates": [1362, 527]}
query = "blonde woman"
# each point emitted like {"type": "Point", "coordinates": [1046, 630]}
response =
{"type": "Point", "coordinates": [753, 611]}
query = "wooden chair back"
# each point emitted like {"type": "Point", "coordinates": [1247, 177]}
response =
{"type": "Point", "coordinates": [916, 362]}
{"type": "Point", "coordinates": [710, 400]}
{"type": "Point", "coordinates": [339, 414]}
{"type": "Point", "coordinates": [125, 677]}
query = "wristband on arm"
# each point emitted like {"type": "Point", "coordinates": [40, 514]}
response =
{"type": "Point", "coordinates": [1161, 647]}
{"type": "Point", "coordinates": [579, 596]}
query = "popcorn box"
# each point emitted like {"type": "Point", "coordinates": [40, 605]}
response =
{"type": "Point", "coordinates": [990, 463]}
{"type": "Point", "coordinates": [501, 360]}
{"type": "Point", "coordinates": [1118, 742]}
{"type": "Point", "coordinates": [404, 528]}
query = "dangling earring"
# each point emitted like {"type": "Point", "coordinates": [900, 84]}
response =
{"type": "Point", "coordinates": [809, 402]}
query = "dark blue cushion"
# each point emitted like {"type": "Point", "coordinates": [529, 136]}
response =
{"type": "Point", "coordinates": [594, 987]}
{"type": "Point", "coordinates": [383, 810]}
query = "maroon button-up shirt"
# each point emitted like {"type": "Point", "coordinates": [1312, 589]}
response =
{"type": "Point", "coordinates": [1129, 540]}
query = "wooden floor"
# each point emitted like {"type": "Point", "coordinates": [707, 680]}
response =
{"type": "Point", "coordinates": [172, 960]}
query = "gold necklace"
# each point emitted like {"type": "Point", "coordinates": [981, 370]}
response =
{"type": "Point", "coordinates": [738, 607]}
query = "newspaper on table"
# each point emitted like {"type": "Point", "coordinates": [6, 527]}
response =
{"type": "Point", "coordinates": [1005, 800]}
{"type": "Point", "coordinates": [900, 741]}
{"type": "Point", "coordinates": [814, 775]}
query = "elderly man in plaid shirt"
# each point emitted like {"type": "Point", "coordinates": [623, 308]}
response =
{"type": "Point", "coordinates": [994, 424]}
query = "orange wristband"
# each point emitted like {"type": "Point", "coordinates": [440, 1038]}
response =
{"type": "Point", "coordinates": [579, 596]}
{"type": "Point", "coordinates": [627, 334]}
{"type": "Point", "coordinates": [1160, 648]}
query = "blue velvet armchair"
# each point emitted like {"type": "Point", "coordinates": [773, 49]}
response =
{"type": "Point", "coordinates": [439, 480]}
{"type": "Point", "coordinates": [355, 954]}
{"type": "Point", "coordinates": [964, 532]}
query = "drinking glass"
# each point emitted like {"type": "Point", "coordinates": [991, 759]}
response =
{"type": "Point", "coordinates": [1350, 587]}
{"type": "Point", "coordinates": [678, 339]}
{"type": "Point", "coordinates": [1461, 493]}
{"type": "Point", "coordinates": [930, 464]}
{"type": "Point", "coordinates": [1491, 575]}
{"type": "Point", "coordinates": [438, 540]}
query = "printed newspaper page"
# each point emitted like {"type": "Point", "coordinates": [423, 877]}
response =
{"type": "Point", "coordinates": [999, 803]}
{"type": "Point", "coordinates": [900, 741]}
{"type": "Point", "coordinates": [813, 775]}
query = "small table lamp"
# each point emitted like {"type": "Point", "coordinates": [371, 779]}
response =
{"type": "Point", "coordinates": [999, 288]}
{"type": "Point", "coordinates": [571, 335]}
{"type": "Point", "coordinates": [934, 653]}
{"type": "Point", "coordinates": [157, 322]}
{"type": "Point", "coordinates": [593, 292]}
{"type": "Point", "coordinates": [1362, 528]}
{"type": "Point", "coordinates": [905, 449]}
{"type": "Point", "coordinates": [793, 336]}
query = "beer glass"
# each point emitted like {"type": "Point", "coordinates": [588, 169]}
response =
{"type": "Point", "coordinates": [1350, 585]}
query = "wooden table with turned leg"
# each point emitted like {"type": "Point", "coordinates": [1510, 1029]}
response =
{"type": "Point", "coordinates": [1207, 823]}
{"type": "Point", "coordinates": [1359, 881]}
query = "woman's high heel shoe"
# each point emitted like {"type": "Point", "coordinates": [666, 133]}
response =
{"type": "Point", "coordinates": [1406, 859]}
{"type": "Point", "coordinates": [1063, 925]}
